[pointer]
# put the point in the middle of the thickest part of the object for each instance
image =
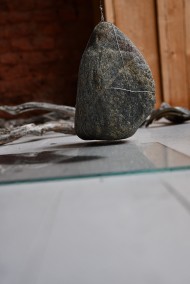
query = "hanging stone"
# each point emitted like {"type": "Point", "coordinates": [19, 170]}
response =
{"type": "Point", "coordinates": [116, 90]}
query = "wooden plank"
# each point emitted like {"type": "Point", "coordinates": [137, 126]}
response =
{"type": "Point", "coordinates": [109, 11]}
{"type": "Point", "coordinates": [173, 51]}
{"type": "Point", "coordinates": [137, 19]}
{"type": "Point", "coordinates": [187, 36]}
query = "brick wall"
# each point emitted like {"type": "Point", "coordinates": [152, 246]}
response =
{"type": "Point", "coordinates": [41, 43]}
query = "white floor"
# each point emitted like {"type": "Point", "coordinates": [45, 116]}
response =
{"type": "Point", "coordinates": [125, 229]}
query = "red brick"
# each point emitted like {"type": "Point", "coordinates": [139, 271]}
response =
{"type": "Point", "coordinates": [43, 16]}
{"type": "Point", "coordinates": [3, 17]}
{"type": "Point", "coordinates": [33, 43]}
{"type": "Point", "coordinates": [41, 5]}
{"type": "Point", "coordinates": [11, 73]}
{"type": "Point", "coordinates": [17, 30]}
{"type": "Point", "coordinates": [33, 58]}
{"type": "Point", "coordinates": [16, 17]}
{"type": "Point", "coordinates": [4, 32]}
{"type": "Point", "coordinates": [4, 45]}
{"type": "Point", "coordinates": [43, 43]}
{"type": "Point", "coordinates": [20, 86]}
{"type": "Point", "coordinates": [24, 43]}
{"type": "Point", "coordinates": [3, 5]}
{"type": "Point", "coordinates": [67, 15]}
{"type": "Point", "coordinates": [20, 5]}
{"type": "Point", "coordinates": [50, 29]}
{"type": "Point", "coordinates": [3, 89]}
{"type": "Point", "coordinates": [9, 58]}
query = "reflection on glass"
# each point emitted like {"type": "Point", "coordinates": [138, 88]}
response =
{"type": "Point", "coordinates": [88, 159]}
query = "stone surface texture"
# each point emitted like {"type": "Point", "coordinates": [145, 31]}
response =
{"type": "Point", "coordinates": [116, 90]}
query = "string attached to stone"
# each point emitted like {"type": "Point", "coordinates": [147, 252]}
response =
{"type": "Point", "coordinates": [101, 11]}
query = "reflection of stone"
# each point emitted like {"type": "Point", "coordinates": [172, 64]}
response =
{"type": "Point", "coordinates": [115, 88]}
{"type": "Point", "coordinates": [45, 158]}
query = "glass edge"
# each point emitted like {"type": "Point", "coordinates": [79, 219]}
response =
{"type": "Point", "coordinates": [96, 175]}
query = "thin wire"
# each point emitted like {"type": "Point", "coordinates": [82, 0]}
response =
{"type": "Point", "coordinates": [131, 91]}
{"type": "Point", "coordinates": [101, 11]}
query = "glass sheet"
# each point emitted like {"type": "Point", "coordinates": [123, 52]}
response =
{"type": "Point", "coordinates": [90, 159]}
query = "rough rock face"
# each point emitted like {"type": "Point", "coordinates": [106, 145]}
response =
{"type": "Point", "coordinates": [116, 90]}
